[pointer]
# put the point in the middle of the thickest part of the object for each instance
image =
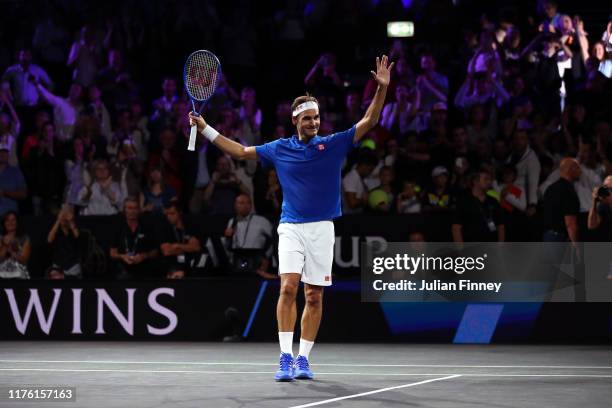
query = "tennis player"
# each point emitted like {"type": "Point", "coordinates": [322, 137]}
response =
{"type": "Point", "coordinates": [309, 170]}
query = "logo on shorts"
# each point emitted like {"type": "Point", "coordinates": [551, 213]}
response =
{"type": "Point", "coordinates": [327, 278]}
{"type": "Point", "coordinates": [321, 146]}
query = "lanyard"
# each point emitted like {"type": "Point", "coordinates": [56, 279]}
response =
{"type": "Point", "coordinates": [246, 231]}
{"type": "Point", "coordinates": [127, 247]}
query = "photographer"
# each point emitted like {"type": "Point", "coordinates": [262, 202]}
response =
{"type": "Point", "coordinates": [600, 213]}
{"type": "Point", "coordinates": [248, 238]}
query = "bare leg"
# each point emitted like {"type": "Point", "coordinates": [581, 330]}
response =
{"type": "Point", "coordinates": [313, 310]}
{"type": "Point", "coordinates": [286, 312]}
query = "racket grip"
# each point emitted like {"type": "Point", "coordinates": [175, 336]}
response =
{"type": "Point", "coordinates": [192, 138]}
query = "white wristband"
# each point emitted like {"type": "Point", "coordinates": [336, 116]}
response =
{"type": "Point", "coordinates": [210, 133]}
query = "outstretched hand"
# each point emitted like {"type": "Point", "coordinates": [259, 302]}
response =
{"type": "Point", "coordinates": [383, 71]}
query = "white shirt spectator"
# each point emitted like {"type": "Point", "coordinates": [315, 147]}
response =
{"type": "Point", "coordinates": [64, 114]}
{"type": "Point", "coordinates": [23, 90]}
{"type": "Point", "coordinates": [251, 232]}
{"type": "Point", "coordinates": [99, 202]}
{"type": "Point", "coordinates": [528, 174]}
{"type": "Point", "coordinates": [352, 183]}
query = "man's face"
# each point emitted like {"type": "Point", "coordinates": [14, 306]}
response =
{"type": "Point", "coordinates": [427, 63]}
{"type": "Point", "coordinates": [101, 172]}
{"type": "Point", "coordinates": [353, 101]}
{"type": "Point", "coordinates": [24, 57]}
{"type": "Point", "coordinates": [441, 180]}
{"type": "Point", "coordinates": [520, 142]}
{"type": "Point", "coordinates": [169, 87]}
{"type": "Point", "coordinates": [550, 9]}
{"type": "Point", "coordinates": [223, 166]}
{"type": "Point", "coordinates": [132, 210]}
{"type": "Point", "coordinates": [308, 122]}
{"type": "Point", "coordinates": [172, 215]}
{"type": "Point", "coordinates": [485, 181]}
{"type": "Point", "coordinates": [243, 206]}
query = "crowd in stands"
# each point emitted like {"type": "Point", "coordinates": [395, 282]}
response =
{"type": "Point", "coordinates": [478, 135]}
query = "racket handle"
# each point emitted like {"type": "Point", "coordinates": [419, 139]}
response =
{"type": "Point", "coordinates": [192, 138]}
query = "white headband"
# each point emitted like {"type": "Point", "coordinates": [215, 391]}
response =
{"type": "Point", "coordinates": [305, 106]}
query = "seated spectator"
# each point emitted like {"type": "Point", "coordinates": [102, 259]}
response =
{"type": "Point", "coordinates": [354, 191]}
{"type": "Point", "coordinates": [179, 243]}
{"type": "Point", "coordinates": [103, 195]}
{"type": "Point", "coordinates": [408, 201]}
{"type": "Point", "coordinates": [126, 130]}
{"type": "Point", "coordinates": [65, 246]}
{"type": "Point", "coordinates": [478, 217]}
{"type": "Point", "coordinates": [10, 127]}
{"type": "Point", "coordinates": [224, 187]}
{"type": "Point", "coordinates": [133, 245]}
{"type": "Point", "coordinates": [14, 249]}
{"type": "Point", "coordinates": [249, 240]}
{"type": "Point", "coordinates": [12, 183]}
{"type": "Point", "coordinates": [437, 196]}
{"type": "Point", "coordinates": [65, 110]}
{"type": "Point", "coordinates": [156, 196]}
{"type": "Point", "coordinates": [385, 182]}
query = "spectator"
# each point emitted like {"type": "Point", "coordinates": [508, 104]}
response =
{"type": "Point", "coordinates": [478, 217]}
{"type": "Point", "coordinates": [103, 195]}
{"type": "Point", "coordinates": [437, 197]}
{"type": "Point", "coordinates": [14, 249]}
{"type": "Point", "coordinates": [432, 86]}
{"type": "Point", "coordinates": [76, 170]}
{"type": "Point", "coordinates": [169, 158]}
{"type": "Point", "coordinates": [99, 111]}
{"type": "Point", "coordinates": [325, 82]}
{"type": "Point", "coordinates": [512, 196]}
{"type": "Point", "coordinates": [399, 117]}
{"type": "Point", "coordinates": [65, 110]}
{"type": "Point", "coordinates": [251, 117]}
{"type": "Point", "coordinates": [352, 113]}
{"type": "Point", "coordinates": [85, 57]}
{"type": "Point", "coordinates": [481, 88]}
{"type": "Point", "coordinates": [355, 192]}
{"type": "Point", "coordinates": [44, 171]}
{"type": "Point", "coordinates": [10, 127]}
{"type": "Point", "coordinates": [116, 83]}
{"type": "Point", "coordinates": [270, 204]}
{"type": "Point", "coordinates": [162, 106]}
{"type": "Point", "coordinates": [126, 170]}
{"type": "Point", "coordinates": [133, 245]}
{"type": "Point", "coordinates": [249, 240]}
{"type": "Point", "coordinates": [560, 205]}
{"type": "Point", "coordinates": [550, 11]}
{"type": "Point", "coordinates": [408, 201]}
{"type": "Point", "coordinates": [527, 167]}
{"type": "Point", "coordinates": [179, 243]}
{"type": "Point", "coordinates": [12, 183]}
{"type": "Point", "coordinates": [21, 79]}
{"type": "Point", "coordinates": [223, 189]}
{"type": "Point", "coordinates": [127, 131]}
{"type": "Point", "coordinates": [156, 196]}
{"type": "Point", "coordinates": [600, 213]}
{"type": "Point", "coordinates": [65, 246]}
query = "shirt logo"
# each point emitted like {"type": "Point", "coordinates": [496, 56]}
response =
{"type": "Point", "coordinates": [321, 147]}
{"type": "Point", "coordinates": [327, 278]}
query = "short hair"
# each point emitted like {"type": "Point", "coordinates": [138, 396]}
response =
{"type": "Point", "coordinates": [131, 199]}
{"type": "Point", "coordinates": [301, 99]}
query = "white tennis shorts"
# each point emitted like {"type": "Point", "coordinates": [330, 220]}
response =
{"type": "Point", "coordinates": [308, 249]}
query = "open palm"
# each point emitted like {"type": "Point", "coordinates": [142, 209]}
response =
{"type": "Point", "coordinates": [383, 71]}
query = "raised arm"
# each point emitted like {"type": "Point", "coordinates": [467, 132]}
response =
{"type": "Point", "coordinates": [234, 149]}
{"type": "Point", "coordinates": [382, 77]}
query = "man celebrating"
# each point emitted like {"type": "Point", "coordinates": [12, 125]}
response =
{"type": "Point", "coordinates": [309, 169]}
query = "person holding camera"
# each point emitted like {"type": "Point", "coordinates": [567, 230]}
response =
{"type": "Point", "coordinates": [600, 213]}
{"type": "Point", "coordinates": [248, 239]}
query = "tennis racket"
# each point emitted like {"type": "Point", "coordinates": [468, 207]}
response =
{"type": "Point", "coordinates": [201, 73]}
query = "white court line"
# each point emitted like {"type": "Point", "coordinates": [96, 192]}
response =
{"type": "Point", "coordinates": [103, 370]}
{"type": "Point", "coordinates": [318, 364]}
{"type": "Point", "coordinates": [363, 394]}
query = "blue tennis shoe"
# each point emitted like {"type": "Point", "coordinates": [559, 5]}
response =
{"type": "Point", "coordinates": [302, 369]}
{"type": "Point", "coordinates": [285, 369]}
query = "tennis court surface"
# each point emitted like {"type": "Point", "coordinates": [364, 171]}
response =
{"type": "Point", "coordinates": [217, 375]}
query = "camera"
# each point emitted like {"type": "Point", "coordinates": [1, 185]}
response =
{"type": "Point", "coordinates": [603, 192]}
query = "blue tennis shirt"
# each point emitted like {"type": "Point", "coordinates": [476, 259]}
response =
{"type": "Point", "coordinates": [309, 173]}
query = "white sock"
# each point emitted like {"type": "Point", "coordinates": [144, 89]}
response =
{"type": "Point", "coordinates": [305, 347]}
{"type": "Point", "coordinates": [286, 342]}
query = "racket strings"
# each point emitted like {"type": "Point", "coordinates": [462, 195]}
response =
{"type": "Point", "coordinates": [201, 75]}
